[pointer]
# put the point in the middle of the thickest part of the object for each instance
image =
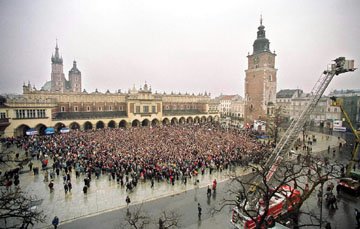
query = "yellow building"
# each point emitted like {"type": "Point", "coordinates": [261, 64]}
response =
{"type": "Point", "coordinates": [40, 109]}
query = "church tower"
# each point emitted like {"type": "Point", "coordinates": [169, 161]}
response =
{"type": "Point", "coordinates": [75, 78]}
{"type": "Point", "coordinates": [260, 80]}
{"type": "Point", "coordinates": [57, 74]}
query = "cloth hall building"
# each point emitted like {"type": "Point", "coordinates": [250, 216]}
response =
{"type": "Point", "coordinates": [60, 103]}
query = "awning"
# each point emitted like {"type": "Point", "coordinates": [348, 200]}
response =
{"type": "Point", "coordinates": [31, 131]}
{"type": "Point", "coordinates": [64, 130]}
{"type": "Point", "coordinates": [49, 130]}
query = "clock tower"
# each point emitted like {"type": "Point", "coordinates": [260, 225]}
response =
{"type": "Point", "coordinates": [260, 80]}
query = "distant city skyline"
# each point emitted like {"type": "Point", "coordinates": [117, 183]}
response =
{"type": "Point", "coordinates": [186, 46]}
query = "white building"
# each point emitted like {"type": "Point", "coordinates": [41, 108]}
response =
{"type": "Point", "coordinates": [284, 98]}
{"type": "Point", "coordinates": [225, 102]}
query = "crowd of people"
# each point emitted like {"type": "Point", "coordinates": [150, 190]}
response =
{"type": "Point", "coordinates": [169, 153]}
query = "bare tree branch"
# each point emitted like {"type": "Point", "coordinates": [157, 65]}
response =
{"type": "Point", "coordinates": [17, 210]}
{"type": "Point", "coordinates": [137, 218]}
{"type": "Point", "coordinates": [169, 220]}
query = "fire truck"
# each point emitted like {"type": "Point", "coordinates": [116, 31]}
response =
{"type": "Point", "coordinates": [282, 201]}
{"type": "Point", "coordinates": [280, 204]}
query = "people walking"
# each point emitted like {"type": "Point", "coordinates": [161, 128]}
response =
{"type": "Point", "coordinates": [128, 201]}
{"type": "Point", "coordinates": [30, 165]}
{"type": "Point", "coordinates": [214, 185]}
{"type": "Point", "coordinates": [55, 222]}
{"type": "Point", "coordinates": [208, 191]}
{"type": "Point", "coordinates": [85, 188]}
{"type": "Point", "coordinates": [152, 182]}
{"type": "Point", "coordinates": [51, 186]}
{"type": "Point", "coordinates": [357, 217]}
{"type": "Point", "coordinates": [66, 187]}
{"type": "Point", "coordinates": [199, 211]}
{"type": "Point", "coordinates": [69, 186]}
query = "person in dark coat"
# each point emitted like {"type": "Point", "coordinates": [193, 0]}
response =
{"type": "Point", "coordinates": [199, 210]}
{"type": "Point", "coordinates": [128, 201]}
{"type": "Point", "coordinates": [55, 222]}
{"type": "Point", "coordinates": [357, 217]}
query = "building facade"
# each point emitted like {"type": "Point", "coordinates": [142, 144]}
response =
{"type": "Point", "coordinates": [237, 108]}
{"type": "Point", "coordinates": [63, 106]}
{"type": "Point", "coordinates": [227, 104]}
{"type": "Point", "coordinates": [260, 80]}
{"type": "Point", "coordinates": [323, 115]}
{"type": "Point", "coordinates": [350, 100]}
{"type": "Point", "coordinates": [284, 98]}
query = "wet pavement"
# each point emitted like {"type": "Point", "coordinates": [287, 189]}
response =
{"type": "Point", "coordinates": [105, 196]}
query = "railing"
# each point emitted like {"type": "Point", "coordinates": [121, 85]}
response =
{"type": "Point", "coordinates": [45, 117]}
{"type": "Point", "coordinates": [183, 112]}
{"type": "Point", "coordinates": [4, 120]}
{"type": "Point", "coordinates": [89, 115]}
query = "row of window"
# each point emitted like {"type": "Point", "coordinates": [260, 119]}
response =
{"type": "Point", "coordinates": [145, 109]}
{"type": "Point", "coordinates": [181, 107]}
{"type": "Point", "coordinates": [31, 113]}
{"type": "Point", "coordinates": [284, 100]}
{"type": "Point", "coordinates": [75, 108]}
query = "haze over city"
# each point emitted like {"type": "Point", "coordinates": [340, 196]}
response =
{"type": "Point", "coordinates": [182, 46]}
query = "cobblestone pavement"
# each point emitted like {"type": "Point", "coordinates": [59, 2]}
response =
{"type": "Point", "coordinates": [104, 195]}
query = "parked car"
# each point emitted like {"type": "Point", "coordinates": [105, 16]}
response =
{"type": "Point", "coordinates": [349, 185]}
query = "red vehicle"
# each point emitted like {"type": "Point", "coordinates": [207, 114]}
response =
{"type": "Point", "coordinates": [280, 203]}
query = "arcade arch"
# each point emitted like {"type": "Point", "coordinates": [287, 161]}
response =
{"type": "Point", "coordinates": [20, 131]}
{"type": "Point", "coordinates": [122, 124]}
{"type": "Point", "coordinates": [135, 123]}
{"type": "Point", "coordinates": [182, 120]}
{"type": "Point", "coordinates": [100, 125]}
{"type": "Point", "coordinates": [155, 122]}
{"type": "Point", "coordinates": [189, 120]}
{"type": "Point", "coordinates": [112, 124]}
{"type": "Point", "coordinates": [58, 126]}
{"type": "Point", "coordinates": [145, 122]}
{"type": "Point", "coordinates": [174, 121]}
{"type": "Point", "coordinates": [88, 125]}
{"type": "Point", "coordinates": [165, 122]}
{"type": "Point", "coordinates": [196, 119]}
{"type": "Point", "coordinates": [74, 126]}
{"type": "Point", "coordinates": [40, 128]}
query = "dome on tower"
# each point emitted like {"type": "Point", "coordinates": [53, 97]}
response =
{"type": "Point", "coordinates": [74, 69]}
{"type": "Point", "coordinates": [261, 44]}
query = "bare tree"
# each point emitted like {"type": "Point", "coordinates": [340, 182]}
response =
{"type": "Point", "coordinates": [137, 218]}
{"type": "Point", "coordinates": [17, 209]}
{"type": "Point", "coordinates": [169, 220]}
{"type": "Point", "coordinates": [9, 159]}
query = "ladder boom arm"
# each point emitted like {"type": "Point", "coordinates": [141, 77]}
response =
{"type": "Point", "coordinates": [291, 134]}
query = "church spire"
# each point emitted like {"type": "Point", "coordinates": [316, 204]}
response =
{"type": "Point", "coordinates": [56, 59]}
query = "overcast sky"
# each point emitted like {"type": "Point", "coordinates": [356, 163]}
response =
{"type": "Point", "coordinates": [187, 46]}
